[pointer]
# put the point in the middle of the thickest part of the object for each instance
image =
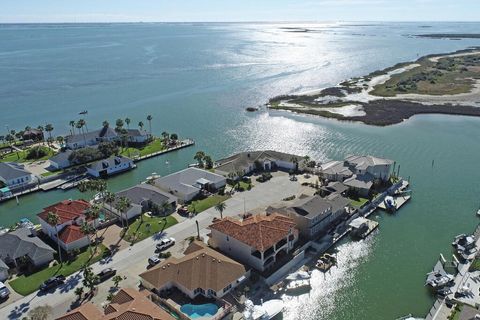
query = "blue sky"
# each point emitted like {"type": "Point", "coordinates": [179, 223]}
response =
{"type": "Point", "coordinates": [239, 10]}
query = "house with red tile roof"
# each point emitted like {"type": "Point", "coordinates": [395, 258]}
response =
{"type": "Point", "coordinates": [258, 241]}
{"type": "Point", "coordinates": [71, 215]}
{"type": "Point", "coordinates": [125, 305]}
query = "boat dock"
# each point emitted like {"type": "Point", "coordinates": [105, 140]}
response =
{"type": "Point", "coordinates": [362, 227]}
{"type": "Point", "coordinates": [399, 200]}
{"type": "Point", "coordinates": [183, 144]}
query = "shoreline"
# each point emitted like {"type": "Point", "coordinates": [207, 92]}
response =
{"type": "Point", "coordinates": [371, 100]}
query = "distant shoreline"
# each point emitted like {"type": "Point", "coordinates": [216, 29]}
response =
{"type": "Point", "coordinates": [390, 96]}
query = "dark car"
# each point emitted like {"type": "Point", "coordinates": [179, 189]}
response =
{"type": "Point", "coordinates": [106, 274]}
{"type": "Point", "coordinates": [52, 283]}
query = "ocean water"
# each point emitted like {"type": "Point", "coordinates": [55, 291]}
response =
{"type": "Point", "coordinates": [197, 79]}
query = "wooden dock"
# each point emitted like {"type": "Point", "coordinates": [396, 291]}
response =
{"type": "Point", "coordinates": [400, 200]}
{"type": "Point", "coordinates": [183, 144]}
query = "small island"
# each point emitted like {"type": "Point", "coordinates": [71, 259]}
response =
{"type": "Point", "coordinates": [442, 84]}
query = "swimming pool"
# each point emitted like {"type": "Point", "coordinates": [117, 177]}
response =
{"type": "Point", "coordinates": [199, 310]}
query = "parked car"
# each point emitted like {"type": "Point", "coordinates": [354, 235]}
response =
{"type": "Point", "coordinates": [165, 243]}
{"type": "Point", "coordinates": [52, 283]}
{"type": "Point", "coordinates": [4, 292]}
{"type": "Point", "coordinates": [106, 274]}
{"type": "Point", "coordinates": [153, 261]}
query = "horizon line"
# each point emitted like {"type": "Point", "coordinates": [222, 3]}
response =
{"type": "Point", "coordinates": [244, 21]}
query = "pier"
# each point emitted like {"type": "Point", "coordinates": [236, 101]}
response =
{"type": "Point", "coordinates": [183, 144]}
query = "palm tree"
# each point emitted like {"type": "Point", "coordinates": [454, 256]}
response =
{"type": "Point", "coordinates": [53, 219]}
{"type": "Point", "coordinates": [141, 125]}
{"type": "Point", "coordinates": [220, 208]}
{"type": "Point", "coordinates": [127, 121]}
{"type": "Point", "coordinates": [93, 213]}
{"type": "Point", "coordinates": [72, 124]}
{"type": "Point", "coordinates": [41, 129]}
{"type": "Point", "coordinates": [166, 206]}
{"type": "Point", "coordinates": [166, 137]}
{"type": "Point", "coordinates": [84, 124]}
{"type": "Point", "coordinates": [122, 206]}
{"type": "Point", "coordinates": [149, 119]}
{"type": "Point", "coordinates": [105, 124]}
{"type": "Point", "coordinates": [87, 229]}
{"type": "Point", "coordinates": [119, 124]}
{"type": "Point", "coordinates": [199, 157]}
{"type": "Point", "coordinates": [60, 140]}
{"type": "Point", "coordinates": [49, 129]}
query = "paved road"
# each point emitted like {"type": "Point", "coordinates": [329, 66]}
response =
{"type": "Point", "coordinates": [132, 261]}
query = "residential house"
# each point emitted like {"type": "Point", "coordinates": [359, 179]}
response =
{"type": "Point", "coordinates": [247, 162]}
{"type": "Point", "coordinates": [14, 175]}
{"type": "Point", "coordinates": [143, 198]}
{"type": "Point", "coordinates": [314, 215]}
{"type": "Point", "coordinates": [22, 247]}
{"type": "Point", "coordinates": [61, 160]}
{"type": "Point", "coordinates": [106, 134]}
{"type": "Point", "coordinates": [377, 167]}
{"type": "Point", "coordinates": [361, 184]}
{"type": "Point", "coordinates": [334, 187]}
{"type": "Point", "coordinates": [110, 166]}
{"type": "Point", "coordinates": [335, 171]}
{"type": "Point", "coordinates": [188, 183]}
{"type": "Point", "coordinates": [258, 241]}
{"type": "Point", "coordinates": [126, 304]}
{"type": "Point", "coordinates": [72, 214]}
{"type": "Point", "coordinates": [201, 272]}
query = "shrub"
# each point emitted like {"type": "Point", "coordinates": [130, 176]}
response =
{"type": "Point", "coordinates": [36, 153]}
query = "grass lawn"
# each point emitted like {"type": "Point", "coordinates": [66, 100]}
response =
{"type": "Point", "coordinates": [244, 185]}
{"type": "Point", "coordinates": [50, 173]}
{"type": "Point", "coordinates": [138, 230]}
{"type": "Point", "coordinates": [21, 156]}
{"type": "Point", "coordinates": [475, 266]}
{"type": "Point", "coordinates": [25, 285]}
{"type": "Point", "coordinates": [154, 146]}
{"type": "Point", "coordinates": [204, 204]}
{"type": "Point", "coordinates": [358, 203]}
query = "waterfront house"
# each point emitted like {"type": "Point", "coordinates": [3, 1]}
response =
{"type": "Point", "coordinates": [32, 134]}
{"type": "Point", "coordinates": [189, 183]}
{"type": "Point", "coordinates": [61, 160]}
{"type": "Point", "coordinates": [14, 175]}
{"type": "Point", "coordinates": [201, 272]}
{"type": "Point", "coordinates": [335, 171]}
{"type": "Point", "coordinates": [249, 161]}
{"type": "Point", "coordinates": [126, 304]}
{"type": "Point", "coordinates": [314, 215]}
{"type": "Point", "coordinates": [361, 184]}
{"type": "Point", "coordinates": [23, 248]}
{"type": "Point", "coordinates": [110, 166]}
{"type": "Point", "coordinates": [72, 214]}
{"type": "Point", "coordinates": [258, 241]}
{"type": "Point", "coordinates": [377, 167]}
{"type": "Point", "coordinates": [106, 134]}
{"type": "Point", "coordinates": [145, 198]}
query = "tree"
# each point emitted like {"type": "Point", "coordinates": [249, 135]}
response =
{"type": "Point", "coordinates": [84, 124]}
{"type": "Point", "coordinates": [53, 219]}
{"type": "Point", "coordinates": [79, 292]}
{"type": "Point", "coordinates": [199, 156]}
{"type": "Point", "coordinates": [90, 280]}
{"type": "Point", "coordinates": [119, 125]}
{"type": "Point", "coordinates": [166, 137]}
{"type": "Point", "coordinates": [141, 125]}
{"type": "Point", "coordinates": [166, 206]}
{"type": "Point", "coordinates": [105, 124]}
{"type": "Point", "coordinates": [93, 213]}
{"type": "Point", "coordinates": [208, 162]}
{"type": "Point", "coordinates": [149, 119]}
{"type": "Point", "coordinates": [122, 206]}
{"type": "Point", "coordinates": [87, 230]}
{"type": "Point", "coordinates": [60, 140]}
{"type": "Point", "coordinates": [40, 313]}
{"type": "Point", "coordinates": [49, 129]}
{"type": "Point", "coordinates": [127, 121]}
{"type": "Point", "coordinates": [72, 125]}
{"type": "Point", "coordinates": [116, 280]}
{"type": "Point", "coordinates": [220, 208]}
{"type": "Point", "coordinates": [108, 148]}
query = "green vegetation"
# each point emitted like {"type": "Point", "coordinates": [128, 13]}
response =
{"type": "Point", "coordinates": [358, 203]}
{"type": "Point", "coordinates": [241, 185]}
{"type": "Point", "coordinates": [25, 285]}
{"type": "Point", "coordinates": [198, 206]}
{"type": "Point", "coordinates": [152, 147]}
{"type": "Point", "coordinates": [450, 75]}
{"type": "Point", "coordinates": [50, 173]}
{"type": "Point", "coordinates": [32, 154]}
{"type": "Point", "coordinates": [147, 226]}
{"type": "Point", "coordinates": [456, 312]}
{"type": "Point", "coordinates": [475, 266]}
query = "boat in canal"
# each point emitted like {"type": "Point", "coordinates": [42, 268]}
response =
{"type": "Point", "coordinates": [326, 262]}
{"type": "Point", "coordinates": [265, 311]}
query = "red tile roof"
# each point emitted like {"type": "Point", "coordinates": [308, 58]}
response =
{"type": "Point", "coordinates": [67, 210]}
{"type": "Point", "coordinates": [260, 232]}
{"type": "Point", "coordinates": [70, 234]}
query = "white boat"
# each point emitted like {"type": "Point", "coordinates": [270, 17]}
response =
{"type": "Point", "coordinates": [390, 203]}
{"type": "Point", "coordinates": [478, 212]}
{"type": "Point", "coordinates": [299, 275]}
{"type": "Point", "coordinates": [266, 311]}
{"type": "Point", "coordinates": [298, 287]}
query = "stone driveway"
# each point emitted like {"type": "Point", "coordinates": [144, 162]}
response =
{"type": "Point", "coordinates": [111, 237]}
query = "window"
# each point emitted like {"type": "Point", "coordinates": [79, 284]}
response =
{"type": "Point", "coordinates": [212, 293]}
{"type": "Point", "coordinates": [227, 288]}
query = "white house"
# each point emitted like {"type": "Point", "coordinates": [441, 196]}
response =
{"type": "Point", "coordinates": [110, 166]}
{"type": "Point", "coordinates": [60, 160]}
{"type": "Point", "coordinates": [145, 198]}
{"type": "Point", "coordinates": [377, 167]}
{"type": "Point", "coordinates": [246, 162]}
{"type": "Point", "coordinates": [14, 175]}
{"type": "Point", "coordinates": [201, 272]}
{"type": "Point", "coordinates": [71, 214]}
{"type": "Point", "coordinates": [138, 136]}
{"type": "Point", "coordinates": [188, 183]}
{"type": "Point", "coordinates": [336, 171]}
{"type": "Point", "coordinates": [258, 241]}
{"type": "Point", "coordinates": [106, 134]}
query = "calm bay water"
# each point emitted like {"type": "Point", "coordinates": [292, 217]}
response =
{"type": "Point", "coordinates": [196, 80]}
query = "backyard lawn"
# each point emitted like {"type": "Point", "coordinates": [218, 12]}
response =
{"type": "Point", "coordinates": [204, 204]}
{"type": "Point", "coordinates": [357, 203]}
{"type": "Point", "coordinates": [21, 156]}
{"type": "Point", "coordinates": [139, 230]}
{"type": "Point", "coordinates": [25, 285]}
{"type": "Point", "coordinates": [154, 146]}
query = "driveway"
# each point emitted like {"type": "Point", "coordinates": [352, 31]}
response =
{"type": "Point", "coordinates": [131, 261]}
